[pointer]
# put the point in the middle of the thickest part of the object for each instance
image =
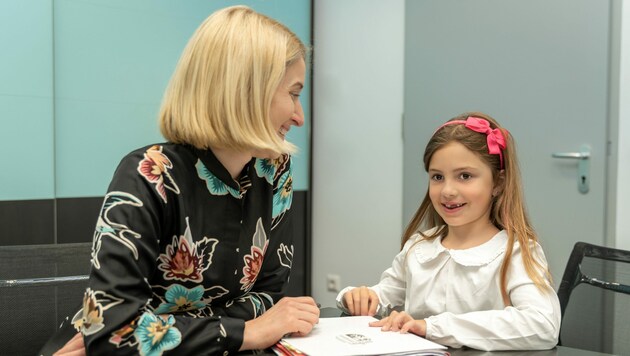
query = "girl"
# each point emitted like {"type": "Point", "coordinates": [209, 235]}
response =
{"type": "Point", "coordinates": [471, 271]}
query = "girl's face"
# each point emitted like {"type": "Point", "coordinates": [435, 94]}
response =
{"type": "Point", "coordinates": [460, 187]}
{"type": "Point", "coordinates": [286, 109]}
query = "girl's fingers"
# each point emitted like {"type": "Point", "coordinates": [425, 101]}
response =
{"type": "Point", "coordinates": [407, 326]}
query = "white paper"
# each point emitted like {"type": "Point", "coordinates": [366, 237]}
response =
{"type": "Point", "coordinates": [351, 335]}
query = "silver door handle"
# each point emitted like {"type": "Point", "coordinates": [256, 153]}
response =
{"type": "Point", "coordinates": [583, 157]}
{"type": "Point", "coordinates": [573, 155]}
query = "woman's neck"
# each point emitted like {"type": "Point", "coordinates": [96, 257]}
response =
{"type": "Point", "coordinates": [233, 161]}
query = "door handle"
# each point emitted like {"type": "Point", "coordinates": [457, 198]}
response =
{"type": "Point", "coordinates": [583, 157]}
{"type": "Point", "coordinates": [574, 155]}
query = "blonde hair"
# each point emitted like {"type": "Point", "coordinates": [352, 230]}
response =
{"type": "Point", "coordinates": [508, 206]}
{"type": "Point", "coordinates": [221, 90]}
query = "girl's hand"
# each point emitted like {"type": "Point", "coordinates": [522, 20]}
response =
{"type": "Point", "coordinates": [402, 322]}
{"type": "Point", "coordinates": [289, 316]}
{"type": "Point", "coordinates": [361, 301]}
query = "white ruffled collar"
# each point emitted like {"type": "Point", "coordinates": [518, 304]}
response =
{"type": "Point", "coordinates": [476, 256]}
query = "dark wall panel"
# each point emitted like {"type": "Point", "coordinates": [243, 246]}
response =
{"type": "Point", "coordinates": [27, 222]}
{"type": "Point", "coordinates": [76, 218]}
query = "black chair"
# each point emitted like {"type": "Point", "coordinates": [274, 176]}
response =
{"type": "Point", "coordinates": [597, 318]}
{"type": "Point", "coordinates": [40, 285]}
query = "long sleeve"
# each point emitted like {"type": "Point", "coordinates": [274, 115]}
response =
{"type": "Point", "coordinates": [531, 322]}
{"type": "Point", "coordinates": [391, 289]}
{"type": "Point", "coordinates": [183, 256]}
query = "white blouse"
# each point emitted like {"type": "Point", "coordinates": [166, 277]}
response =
{"type": "Point", "coordinates": [458, 293]}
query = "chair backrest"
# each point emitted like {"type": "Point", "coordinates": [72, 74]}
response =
{"type": "Point", "coordinates": [594, 299]}
{"type": "Point", "coordinates": [40, 285]}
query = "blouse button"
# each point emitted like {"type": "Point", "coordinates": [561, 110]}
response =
{"type": "Point", "coordinates": [235, 271]}
{"type": "Point", "coordinates": [225, 353]}
{"type": "Point", "coordinates": [237, 249]}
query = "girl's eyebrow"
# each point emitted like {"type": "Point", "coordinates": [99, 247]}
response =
{"type": "Point", "coordinates": [467, 168]}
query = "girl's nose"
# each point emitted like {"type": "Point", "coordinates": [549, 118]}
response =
{"type": "Point", "coordinates": [448, 190]}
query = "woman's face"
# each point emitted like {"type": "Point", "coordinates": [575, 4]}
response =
{"type": "Point", "coordinates": [286, 109]}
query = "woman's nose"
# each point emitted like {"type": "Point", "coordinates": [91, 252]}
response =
{"type": "Point", "coordinates": [298, 115]}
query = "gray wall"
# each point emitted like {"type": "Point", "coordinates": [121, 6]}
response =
{"type": "Point", "coordinates": [357, 144]}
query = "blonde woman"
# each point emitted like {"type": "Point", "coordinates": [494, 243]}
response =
{"type": "Point", "coordinates": [193, 246]}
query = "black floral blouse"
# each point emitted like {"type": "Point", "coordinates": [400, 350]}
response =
{"type": "Point", "coordinates": [183, 254]}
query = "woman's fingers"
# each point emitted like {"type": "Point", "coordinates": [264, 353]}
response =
{"type": "Point", "coordinates": [74, 347]}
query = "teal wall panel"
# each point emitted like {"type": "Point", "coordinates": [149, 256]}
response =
{"type": "Point", "coordinates": [26, 100]}
{"type": "Point", "coordinates": [81, 84]}
{"type": "Point", "coordinates": [113, 60]}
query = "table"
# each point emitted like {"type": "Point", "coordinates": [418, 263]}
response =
{"type": "Point", "coordinates": [328, 312]}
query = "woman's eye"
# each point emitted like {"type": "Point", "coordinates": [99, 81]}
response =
{"type": "Point", "coordinates": [295, 95]}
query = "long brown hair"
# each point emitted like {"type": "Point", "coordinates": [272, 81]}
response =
{"type": "Point", "coordinates": [508, 206]}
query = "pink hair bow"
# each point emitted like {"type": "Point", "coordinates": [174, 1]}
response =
{"type": "Point", "coordinates": [495, 139]}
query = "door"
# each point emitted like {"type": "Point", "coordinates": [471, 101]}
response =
{"type": "Point", "coordinates": [541, 69]}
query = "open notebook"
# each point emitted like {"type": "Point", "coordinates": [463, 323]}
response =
{"type": "Point", "coordinates": [351, 335]}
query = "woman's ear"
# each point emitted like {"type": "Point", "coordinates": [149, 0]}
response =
{"type": "Point", "coordinates": [499, 184]}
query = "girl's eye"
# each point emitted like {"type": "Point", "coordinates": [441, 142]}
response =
{"type": "Point", "coordinates": [437, 177]}
{"type": "Point", "coordinates": [465, 176]}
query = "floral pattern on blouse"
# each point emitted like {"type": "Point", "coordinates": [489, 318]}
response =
{"type": "Point", "coordinates": [254, 260]}
{"type": "Point", "coordinates": [154, 168]}
{"type": "Point", "coordinates": [89, 319]}
{"type": "Point", "coordinates": [185, 259]}
{"type": "Point", "coordinates": [214, 184]}
{"type": "Point", "coordinates": [156, 334]}
{"type": "Point", "coordinates": [107, 228]}
{"type": "Point", "coordinates": [283, 197]}
{"type": "Point", "coordinates": [125, 335]}
{"type": "Point", "coordinates": [285, 254]}
{"type": "Point", "coordinates": [181, 271]}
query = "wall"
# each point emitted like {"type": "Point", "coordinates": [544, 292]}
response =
{"type": "Point", "coordinates": [623, 168]}
{"type": "Point", "coordinates": [82, 87]}
{"type": "Point", "coordinates": [622, 223]}
{"type": "Point", "coordinates": [357, 143]}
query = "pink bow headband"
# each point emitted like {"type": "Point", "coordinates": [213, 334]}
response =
{"type": "Point", "coordinates": [495, 139]}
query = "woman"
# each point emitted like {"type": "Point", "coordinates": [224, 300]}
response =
{"type": "Point", "coordinates": [193, 245]}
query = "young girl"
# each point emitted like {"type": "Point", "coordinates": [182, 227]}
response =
{"type": "Point", "coordinates": [471, 271]}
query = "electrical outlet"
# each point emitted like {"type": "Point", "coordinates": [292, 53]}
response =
{"type": "Point", "coordinates": [333, 283]}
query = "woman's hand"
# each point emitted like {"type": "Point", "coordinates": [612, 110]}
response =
{"type": "Point", "coordinates": [289, 316]}
{"type": "Point", "coordinates": [402, 322]}
{"type": "Point", "coordinates": [361, 301]}
{"type": "Point", "coordinates": [74, 347]}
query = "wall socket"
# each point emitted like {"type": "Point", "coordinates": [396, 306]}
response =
{"type": "Point", "coordinates": [333, 283]}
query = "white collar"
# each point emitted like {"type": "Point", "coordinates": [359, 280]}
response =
{"type": "Point", "coordinates": [476, 256]}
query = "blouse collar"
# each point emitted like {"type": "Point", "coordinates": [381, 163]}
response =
{"type": "Point", "coordinates": [215, 166]}
{"type": "Point", "coordinates": [475, 256]}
